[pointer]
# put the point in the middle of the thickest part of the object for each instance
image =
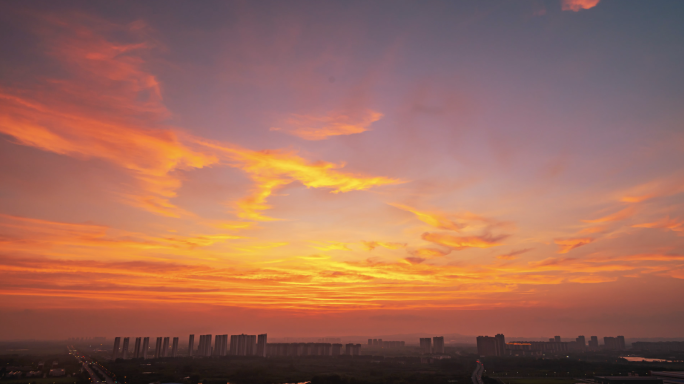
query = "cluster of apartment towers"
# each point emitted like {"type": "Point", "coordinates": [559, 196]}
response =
{"type": "Point", "coordinates": [497, 346]}
{"type": "Point", "coordinates": [240, 345]}
{"type": "Point", "coordinates": [427, 347]}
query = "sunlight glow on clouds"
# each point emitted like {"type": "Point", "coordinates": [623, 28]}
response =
{"type": "Point", "coordinates": [144, 164]}
{"type": "Point", "coordinates": [578, 5]}
{"type": "Point", "coordinates": [333, 124]}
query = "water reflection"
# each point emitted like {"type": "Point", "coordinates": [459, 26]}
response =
{"type": "Point", "coordinates": [645, 359]}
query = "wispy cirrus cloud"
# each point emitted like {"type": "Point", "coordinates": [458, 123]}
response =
{"type": "Point", "coordinates": [109, 108]}
{"type": "Point", "coordinates": [371, 245]}
{"type": "Point", "coordinates": [121, 122]}
{"type": "Point", "coordinates": [311, 127]}
{"type": "Point", "coordinates": [666, 186]}
{"type": "Point", "coordinates": [330, 246]}
{"type": "Point", "coordinates": [436, 220]}
{"type": "Point", "coordinates": [271, 170]}
{"type": "Point", "coordinates": [428, 253]}
{"type": "Point", "coordinates": [567, 245]}
{"type": "Point", "coordinates": [623, 214]}
{"type": "Point", "coordinates": [513, 254]}
{"type": "Point", "coordinates": [675, 225]}
{"type": "Point", "coordinates": [44, 236]}
{"type": "Point", "coordinates": [463, 242]}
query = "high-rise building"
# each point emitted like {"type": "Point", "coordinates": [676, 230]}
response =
{"type": "Point", "coordinates": [115, 354]}
{"type": "Point", "coordinates": [500, 344]}
{"type": "Point", "coordinates": [593, 343]}
{"type": "Point", "coordinates": [191, 345]}
{"type": "Point", "coordinates": [370, 341]}
{"type": "Point", "coordinates": [425, 345]}
{"type": "Point", "coordinates": [220, 345]}
{"type": "Point", "coordinates": [491, 346]}
{"type": "Point", "coordinates": [124, 349]}
{"type": "Point", "coordinates": [438, 344]}
{"type": "Point", "coordinates": [614, 343]}
{"type": "Point", "coordinates": [165, 348]}
{"type": "Point", "coordinates": [204, 347]}
{"type": "Point", "coordinates": [145, 348]}
{"type": "Point", "coordinates": [200, 346]}
{"type": "Point", "coordinates": [581, 342]}
{"type": "Point", "coordinates": [348, 349]}
{"type": "Point", "coordinates": [243, 345]}
{"type": "Point", "coordinates": [174, 348]}
{"type": "Point", "coordinates": [261, 345]}
{"type": "Point", "coordinates": [336, 349]}
{"type": "Point", "coordinates": [136, 348]}
{"type": "Point", "coordinates": [557, 339]}
{"type": "Point", "coordinates": [158, 348]}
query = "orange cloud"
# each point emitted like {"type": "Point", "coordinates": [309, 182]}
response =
{"type": "Point", "coordinates": [591, 279]}
{"type": "Point", "coordinates": [577, 5]}
{"type": "Point", "coordinates": [591, 230]}
{"type": "Point", "coordinates": [310, 127]}
{"type": "Point", "coordinates": [428, 253]}
{"type": "Point", "coordinates": [109, 108]}
{"type": "Point", "coordinates": [623, 214]}
{"type": "Point", "coordinates": [463, 242]}
{"type": "Point", "coordinates": [330, 246]}
{"type": "Point", "coordinates": [513, 254]}
{"type": "Point", "coordinates": [567, 245]}
{"type": "Point", "coordinates": [274, 169]}
{"type": "Point", "coordinates": [414, 260]}
{"type": "Point", "coordinates": [27, 234]}
{"type": "Point", "coordinates": [657, 188]}
{"type": "Point", "coordinates": [433, 219]}
{"type": "Point", "coordinates": [666, 223]}
{"type": "Point", "coordinates": [371, 245]}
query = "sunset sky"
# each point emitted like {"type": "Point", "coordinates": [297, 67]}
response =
{"type": "Point", "coordinates": [342, 168]}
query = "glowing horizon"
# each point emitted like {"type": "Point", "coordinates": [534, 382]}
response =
{"type": "Point", "coordinates": [461, 160]}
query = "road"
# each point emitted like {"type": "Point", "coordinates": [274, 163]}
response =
{"type": "Point", "coordinates": [90, 368]}
{"type": "Point", "coordinates": [477, 373]}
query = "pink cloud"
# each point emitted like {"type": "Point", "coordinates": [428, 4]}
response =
{"type": "Point", "coordinates": [577, 5]}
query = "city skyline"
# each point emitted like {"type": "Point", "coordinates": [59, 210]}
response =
{"type": "Point", "coordinates": [328, 169]}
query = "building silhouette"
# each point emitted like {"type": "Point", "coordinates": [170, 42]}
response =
{"type": "Point", "coordinates": [220, 345]}
{"type": "Point", "coordinates": [438, 345]}
{"type": "Point", "coordinates": [191, 345]}
{"type": "Point", "coordinates": [261, 345]}
{"type": "Point", "coordinates": [158, 348]}
{"type": "Point", "coordinates": [124, 349]}
{"type": "Point", "coordinates": [174, 348]}
{"type": "Point", "coordinates": [491, 346]}
{"type": "Point", "coordinates": [204, 347]}
{"type": "Point", "coordinates": [243, 345]}
{"type": "Point", "coordinates": [165, 348]}
{"type": "Point", "coordinates": [425, 345]}
{"type": "Point", "coordinates": [593, 342]}
{"type": "Point", "coordinates": [115, 353]}
{"type": "Point", "coordinates": [136, 348]}
{"type": "Point", "coordinates": [145, 348]}
{"type": "Point", "coordinates": [614, 343]}
{"type": "Point", "coordinates": [581, 342]}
